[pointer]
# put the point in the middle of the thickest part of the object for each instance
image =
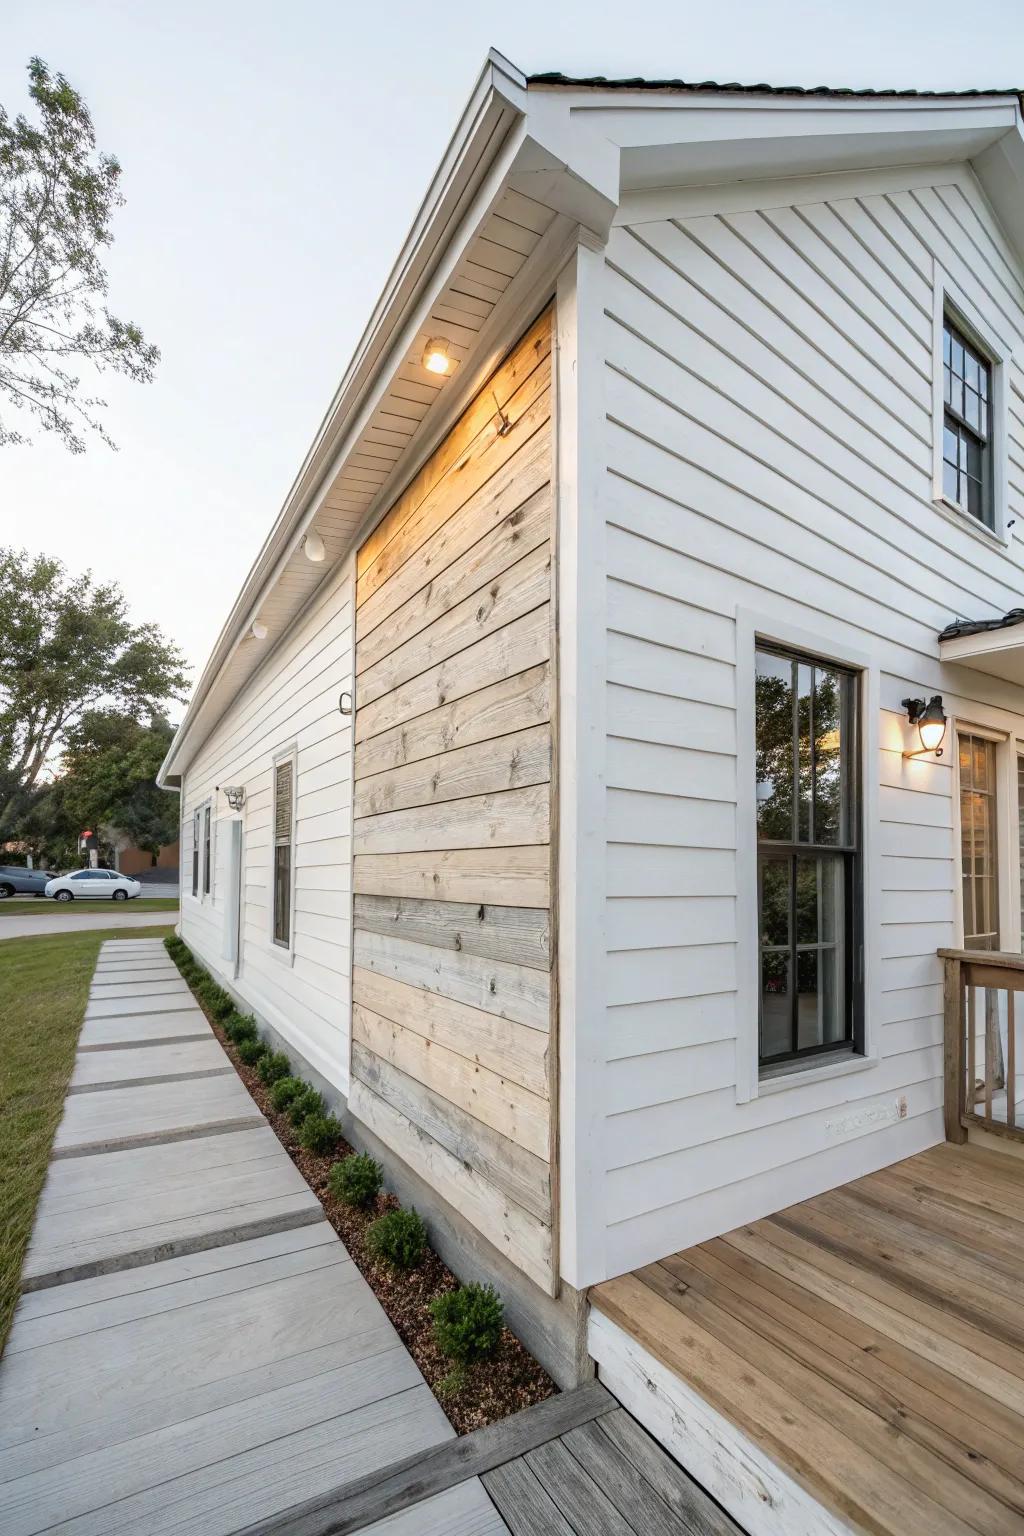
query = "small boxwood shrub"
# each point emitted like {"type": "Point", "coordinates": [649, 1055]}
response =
{"type": "Point", "coordinates": [250, 1051]}
{"type": "Point", "coordinates": [308, 1102]}
{"type": "Point", "coordinates": [274, 1066]}
{"type": "Point", "coordinates": [239, 1027]}
{"type": "Point", "coordinates": [285, 1090]}
{"type": "Point", "coordinates": [356, 1180]}
{"type": "Point", "coordinates": [467, 1322]}
{"type": "Point", "coordinates": [319, 1133]}
{"type": "Point", "coordinates": [218, 1001]}
{"type": "Point", "coordinates": [398, 1237]}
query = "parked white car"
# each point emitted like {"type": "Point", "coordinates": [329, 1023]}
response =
{"type": "Point", "coordinates": [92, 883]}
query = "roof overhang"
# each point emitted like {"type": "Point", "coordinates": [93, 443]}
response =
{"type": "Point", "coordinates": [531, 169]}
{"type": "Point", "coordinates": [999, 652]}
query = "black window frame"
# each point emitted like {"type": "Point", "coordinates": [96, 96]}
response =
{"type": "Point", "coordinates": [850, 851]}
{"type": "Point", "coordinates": [207, 820]}
{"type": "Point", "coordinates": [282, 854]}
{"type": "Point", "coordinates": [196, 824]}
{"type": "Point", "coordinates": [956, 422]}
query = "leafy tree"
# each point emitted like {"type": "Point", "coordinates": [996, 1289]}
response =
{"type": "Point", "coordinates": [67, 650]}
{"type": "Point", "coordinates": [109, 773]}
{"type": "Point", "coordinates": [57, 197]}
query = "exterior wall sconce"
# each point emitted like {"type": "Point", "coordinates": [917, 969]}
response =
{"type": "Point", "coordinates": [313, 545]}
{"type": "Point", "coordinates": [234, 794]}
{"type": "Point", "coordinates": [437, 357]}
{"type": "Point", "coordinates": [930, 720]}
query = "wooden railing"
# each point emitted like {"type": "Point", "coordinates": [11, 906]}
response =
{"type": "Point", "coordinates": [979, 1003]}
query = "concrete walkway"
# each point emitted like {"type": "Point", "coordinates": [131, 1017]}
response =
{"type": "Point", "coordinates": [111, 915]}
{"type": "Point", "coordinates": [194, 1352]}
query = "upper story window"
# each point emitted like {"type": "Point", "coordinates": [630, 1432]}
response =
{"type": "Point", "coordinates": [967, 426]}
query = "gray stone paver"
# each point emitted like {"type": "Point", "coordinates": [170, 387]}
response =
{"type": "Point", "coordinates": [196, 1351]}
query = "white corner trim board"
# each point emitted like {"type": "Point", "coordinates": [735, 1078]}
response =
{"type": "Point", "coordinates": [763, 1498]}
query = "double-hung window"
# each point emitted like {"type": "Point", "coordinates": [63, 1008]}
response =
{"type": "Point", "coordinates": [284, 795]}
{"type": "Point", "coordinates": [206, 850]}
{"type": "Point", "coordinates": [196, 835]}
{"type": "Point", "coordinates": [808, 846]}
{"type": "Point", "coordinates": [966, 426]}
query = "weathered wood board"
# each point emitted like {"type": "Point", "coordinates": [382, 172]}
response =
{"type": "Point", "coordinates": [452, 1057]}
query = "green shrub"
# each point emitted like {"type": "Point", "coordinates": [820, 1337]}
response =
{"type": "Point", "coordinates": [218, 1001]}
{"type": "Point", "coordinates": [357, 1180]}
{"type": "Point", "coordinates": [285, 1090]}
{"type": "Point", "coordinates": [319, 1133]}
{"type": "Point", "coordinates": [468, 1322]}
{"type": "Point", "coordinates": [308, 1102]}
{"type": "Point", "coordinates": [399, 1237]}
{"type": "Point", "coordinates": [239, 1027]}
{"type": "Point", "coordinates": [250, 1051]}
{"type": "Point", "coordinates": [274, 1066]}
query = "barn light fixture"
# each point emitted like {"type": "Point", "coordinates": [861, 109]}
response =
{"type": "Point", "coordinates": [313, 544]}
{"type": "Point", "coordinates": [258, 630]}
{"type": "Point", "coordinates": [930, 720]}
{"type": "Point", "coordinates": [235, 795]}
{"type": "Point", "coordinates": [437, 357]}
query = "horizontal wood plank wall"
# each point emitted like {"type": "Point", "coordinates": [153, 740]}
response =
{"type": "Point", "coordinates": [452, 1052]}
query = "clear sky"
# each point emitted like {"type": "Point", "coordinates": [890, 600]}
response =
{"type": "Point", "coordinates": [274, 155]}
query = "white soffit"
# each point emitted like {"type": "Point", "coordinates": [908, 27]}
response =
{"type": "Point", "coordinates": [997, 652]}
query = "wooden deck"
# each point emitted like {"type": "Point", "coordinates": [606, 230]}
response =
{"type": "Point", "coordinates": [860, 1357]}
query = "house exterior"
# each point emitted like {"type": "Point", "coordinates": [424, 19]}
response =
{"type": "Point", "coordinates": [548, 790]}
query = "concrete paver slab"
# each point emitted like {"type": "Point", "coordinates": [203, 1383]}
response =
{"type": "Point", "coordinates": [140, 1028]}
{"type": "Point", "coordinates": [95, 1120]}
{"type": "Point", "coordinates": [96, 1210]}
{"type": "Point", "coordinates": [113, 1007]}
{"type": "Point", "coordinates": [194, 1057]}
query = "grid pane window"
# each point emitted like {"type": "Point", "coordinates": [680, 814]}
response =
{"type": "Point", "coordinates": [808, 829]}
{"type": "Point", "coordinates": [978, 856]}
{"type": "Point", "coordinates": [283, 798]}
{"type": "Point", "coordinates": [206, 851]}
{"type": "Point", "coordinates": [195, 854]}
{"type": "Point", "coordinates": [966, 450]}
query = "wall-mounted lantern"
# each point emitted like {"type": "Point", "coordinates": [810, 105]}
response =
{"type": "Point", "coordinates": [234, 794]}
{"type": "Point", "coordinates": [930, 720]}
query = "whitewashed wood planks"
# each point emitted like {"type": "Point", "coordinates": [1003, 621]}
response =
{"type": "Point", "coordinates": [452, 817]}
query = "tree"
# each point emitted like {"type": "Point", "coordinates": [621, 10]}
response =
{"type": "Point", "coordinates": [57, 197]}
{"type": "Point", "coordinates": [68, 648]}
{"type": "Point", "coordinates": [108, 777]}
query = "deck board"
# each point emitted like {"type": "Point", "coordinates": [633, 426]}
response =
{"type": "Point", "coordinates": [870, 1341]}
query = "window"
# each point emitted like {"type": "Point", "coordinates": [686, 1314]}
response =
{"type": "Point", "coordinates": [284, 774]}
{"type": "Point", "coordinates": [979, 864]}
{"type": "Point", "coordinates": [966, 426]}
{"type": "Point", "coordinates": [206, 851]}
{"type": "Point", "coordinates": [808, 839]}
{"type": "Point", "coordinates": [195, 854]}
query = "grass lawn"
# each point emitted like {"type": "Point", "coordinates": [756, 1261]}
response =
{"type": "Point", "coordinates": [22, 905]}
{"type": "Point", "coordinates": [44, 982]}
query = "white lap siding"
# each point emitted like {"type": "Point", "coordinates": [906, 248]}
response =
{"type": "Point", "coordinates": [291, 705]}
{"type": "Point", "coordinates": [767, 400]}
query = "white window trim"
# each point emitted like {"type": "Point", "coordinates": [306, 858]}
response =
{"type": "Point", "coordinates": [285, 954]}
{"type": "Point", "coordinates": [754, 628]}
{"type": "Point", "coordinates": [207, 874]}
{"type": "Point", "coordinates": [948, 297]}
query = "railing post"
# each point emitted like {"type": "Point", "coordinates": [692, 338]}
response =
{"type": "Point", "coordinates": [953, 1055]}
